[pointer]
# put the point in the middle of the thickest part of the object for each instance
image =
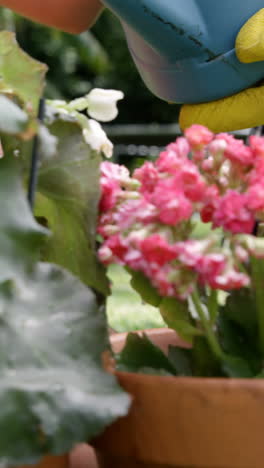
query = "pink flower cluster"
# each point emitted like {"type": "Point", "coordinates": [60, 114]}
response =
{"type": "Point", "coordinates": [147, 219]}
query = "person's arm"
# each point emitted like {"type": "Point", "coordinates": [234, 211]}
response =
{"type": "Point", "coordinates": [73, 16]}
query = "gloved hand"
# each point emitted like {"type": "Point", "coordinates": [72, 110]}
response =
{"type": "Point", "coordinates": [242, 110]}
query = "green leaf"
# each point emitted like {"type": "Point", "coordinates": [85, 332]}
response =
{"type": "Point", "coordinates": [142, 285]}
{"type": "Point", "coordinates": [21, 76]}
{"type": "Point", "coordinates": [20, 236]}
{"type": "Point", "coordinates": [47, 143]}
{"type": "Point", "coordinates": [240, 308]}
{"type": "Point", "coordinates": [177, 316]}
{"type": "Point", "coordinates": [53, 389]}
{"type": "Point", "coordinates": [243, 349]}
{"type": "Point", "coordinates": [13, 120]}
{"type": "Point", "coordinates": [181, 359]}
{"type": "Point", "coordinates": [237, 368]}
{"type": "Point", "coordinates": [68, 195]}
{"type": "Point", "coordinates": [204, 362]}
{"type": "Point", "coordinates": [237, 328]}
{"type": "Point", "coordinates": [141, 355]}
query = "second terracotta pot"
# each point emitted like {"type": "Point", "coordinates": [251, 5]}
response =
{"type": "Point", "coordinates": [51, 462]}
{"type": "Point", "coordinates": [185, 422]}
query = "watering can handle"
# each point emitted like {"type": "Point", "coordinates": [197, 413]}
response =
{"type": "Point", "coordinates": [244, 109]}
{"type": "Point", "coordinates": [171, 32]}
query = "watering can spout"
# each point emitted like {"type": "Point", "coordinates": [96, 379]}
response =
{"type": "Point", "coordinates": [161, 23]}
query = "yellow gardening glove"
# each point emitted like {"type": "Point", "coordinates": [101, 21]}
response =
{"type": "Point", "coordinates": [244, 109]}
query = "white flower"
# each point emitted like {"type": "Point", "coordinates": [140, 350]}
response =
{"type": "Point", "coordinates": [95, 136]}
{"type": "Point", "coordinates": [102, 104]}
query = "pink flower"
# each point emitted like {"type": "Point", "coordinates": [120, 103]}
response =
{"type": "Point", "coordinates": [257, 145]}
{"type": "Point", "coordinates": [180, 147]}
{"type": "Point", "coordinates": [168, 161]}
{"type": "Point", "coordinates": [237, 152]}
{"type": "Point", "coordinates": [217, 146]}
{"type": "Point", "coordinates": [135, 211]}
{"type": "Point", "coordinates": [171, 202]}
{"type": "Point", "coordinates": [210, 202]}
{"type": "Point", "coordinates": [174, 281]}
{"type": "Point", "coordinates": [198, 155]}
{"type": "Point", "coordinates": [229, 139]}
{"type": "Point", "coordinates": [155, 249]}
{"type": "Point", "coordinates": [255, 198]}
{"type": "Point", "coordinates": [174, 155]}
{"type": "Point", "coordinates": [105, 219]}
{"type": "Point", "coordinates": [232, 213]}
{"type": "Point", "coordinates": [105, 255]}
{"type": "Point", "coordinates": [231, 279]}
{"type": "Point", "coordinates": [118, 246]}
{"type": "Point", "coordinates": [107, 230]}
{"type": "Point", "coordinates": [191, 181]}
{"type": "Point", "coordinates": [256, 175]}
{"type": "Point", "coordinates": [114, 171]}
{"type": "Point", "coordinates": [198, 136]}
{"type": "Point", "coordinates": [208, 165]}
{"type": "Point", "coordinates": [241, 253]}
{"type": "Point", "coordinates": [148, 176]}
{"type": "Point", "coordinates": [134, 260]}
{"type": "Point", "coordinates": [189, 252]}
{"type": "Point", "coordinates": [110, 190]}
{"type": "Point", "coordinates": [161, 280]}
{"type": "Point", "coordinates": [210, 266]}
{"type": "Point", "coordinates": [143, 216]}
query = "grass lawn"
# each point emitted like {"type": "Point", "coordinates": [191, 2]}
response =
{"type": "Point", "coordinates": [125, 309]}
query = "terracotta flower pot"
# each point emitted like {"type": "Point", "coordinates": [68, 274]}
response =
{"type": "Point", "coordinates": [82, 456]}
{"type": "Point", "coordinates": [185, 422]}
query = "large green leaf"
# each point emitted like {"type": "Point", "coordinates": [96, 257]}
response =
{"type": "Point", "coordinates": [21, 87]}
{"type": "Point", "coordinates": [68, 194]}
{"type": "Point", "coordinates": [21, 76]}
{"type": "Point", "coordinates": [20, 236]}
{"type": "Point", "coordinates": [53, 389]}
{"type": "Point", "coordinates": [13, 120]}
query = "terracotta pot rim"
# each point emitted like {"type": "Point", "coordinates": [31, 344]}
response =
{"type": "Point", "coordinates": [197, 382]}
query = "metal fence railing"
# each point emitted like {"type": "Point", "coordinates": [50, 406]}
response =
{"type": "Point", "coordinates": [146, 140]}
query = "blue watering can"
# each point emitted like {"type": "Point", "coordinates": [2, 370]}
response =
{"type": "Point", "coordinates": [184, 49]}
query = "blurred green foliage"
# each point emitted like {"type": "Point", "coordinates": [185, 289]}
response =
{"type": "Point", "coordinates": [96, 58]}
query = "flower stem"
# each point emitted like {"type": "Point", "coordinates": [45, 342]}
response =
{"type": "Point", "coordinates": [213, 305]}
{"type": "Point", "coordinates": [213, 343]}
{"type": "Point", "coordinates": [257, 266]}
